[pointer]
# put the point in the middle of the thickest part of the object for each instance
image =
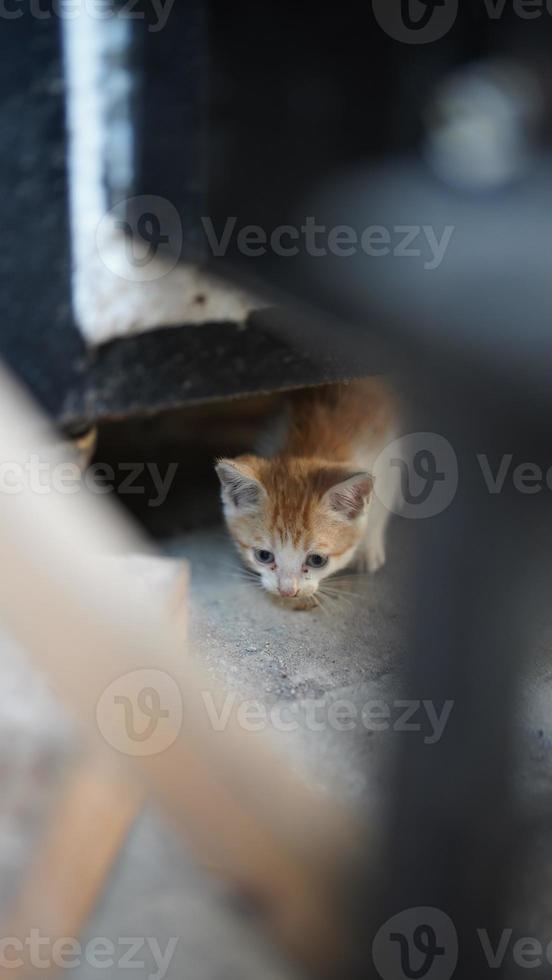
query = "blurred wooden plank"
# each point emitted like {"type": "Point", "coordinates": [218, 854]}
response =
{"type": "Point", "coordinates": [227, 792]}
{"type": "Point", "coordinates": [88, 828]}
{"type": "Point", "coordinates": [94, 813]}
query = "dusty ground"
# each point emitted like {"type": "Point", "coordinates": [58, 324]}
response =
{"type": "Point", "coordinates": [349, 649]}
{"type": "Point", "coordinates": [353, 651]}
{"type": "Point", "coordinates": [296, 663]}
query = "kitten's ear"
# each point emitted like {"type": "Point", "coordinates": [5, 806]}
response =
{"type": "Point", "coordinates": [348, 498]}
{"type": "Point", "coordinates": [239, 485]}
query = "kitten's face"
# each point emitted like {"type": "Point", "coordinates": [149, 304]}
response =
{"type": "Point", "coordinates": [294, 521]}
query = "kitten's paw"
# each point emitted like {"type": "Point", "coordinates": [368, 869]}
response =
{"type": "Point", "coordinates": [375, 555]}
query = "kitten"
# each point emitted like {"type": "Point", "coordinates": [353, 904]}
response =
{"type": "Point", "coordinates": [308, 511]}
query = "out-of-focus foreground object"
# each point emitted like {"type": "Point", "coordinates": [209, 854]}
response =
{"type": "Point", "coordinates": [102, 644]}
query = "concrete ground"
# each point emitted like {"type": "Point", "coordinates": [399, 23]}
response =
{"type": "Point", "coordinates": [297, 665]}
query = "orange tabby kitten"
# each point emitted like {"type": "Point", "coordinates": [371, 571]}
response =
{"type": "Point", "coordinates": [307, 511]}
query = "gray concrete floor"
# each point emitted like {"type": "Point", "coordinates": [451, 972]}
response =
{"type": "Point", "coordinates": [300, 661]}
{"type": "Point", "coordinates": [353, 650]}
{"type": "Point", "coordinates": [349, 649]}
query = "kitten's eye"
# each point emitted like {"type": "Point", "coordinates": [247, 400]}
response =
{"type": "Point", "coordinates": [317, 561]}
{"type": "Point", "coordinates": [265, 557]}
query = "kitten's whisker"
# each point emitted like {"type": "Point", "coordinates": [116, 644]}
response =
{"type": "Point", "coordinates": [244, 572]}
{"type": "Point", "coordinates": [322, 603]}
{"type": "Point", "coordinates": [243, 576]}
{"type": "Point", "coordinates": [336, 597]}
{"type": "Point", "coordinates": [330, 599]}
{"type": "Point", "coordinates": [236, 565]}
{"type": "Point", "coordinates": [344, 592]}
{"type": "Point", "coordinates": [238, 570]}
{"type": "Point", "coordinates": [334, 587]}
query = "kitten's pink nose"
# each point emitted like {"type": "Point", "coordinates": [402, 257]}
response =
{"type": "Point", "coordinates": [288, 588]}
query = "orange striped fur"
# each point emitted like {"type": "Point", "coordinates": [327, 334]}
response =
{"type": "Point", "coordinates": [313, 498]}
